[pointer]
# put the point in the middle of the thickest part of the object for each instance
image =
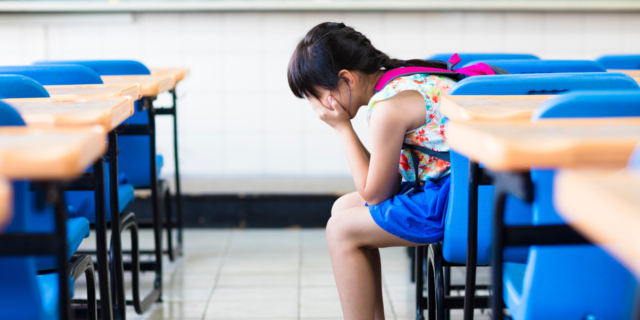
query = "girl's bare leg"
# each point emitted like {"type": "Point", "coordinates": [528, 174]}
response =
{"type": "Point", "coordinates": [354, 200]}
{"type": "Point", "coordinates": [352, 235]}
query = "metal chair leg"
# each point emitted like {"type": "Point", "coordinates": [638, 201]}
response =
{"type": "Point", "coordinates": [436, 293]}
{"type": "Point", "coordinates": [84, 265]}
{"type": "Point", "coordinates": [418, 258]}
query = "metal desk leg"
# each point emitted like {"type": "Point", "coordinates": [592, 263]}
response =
{"type": "Point", "coordinates": [61, 256]}
{"type": "Point", "coordinates": [472, 241]}
{"type": "Point", "coordinates": [101, 241]}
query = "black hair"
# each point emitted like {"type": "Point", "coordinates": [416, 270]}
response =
{"type": "Point", "coordinates": [331, 47]}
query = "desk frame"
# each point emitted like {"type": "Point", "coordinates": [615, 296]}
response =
{"type": "Point", "coordinates": [178, 250]}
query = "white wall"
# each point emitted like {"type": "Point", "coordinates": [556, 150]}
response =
{"type": "Point", "coordinates": [238, 118]}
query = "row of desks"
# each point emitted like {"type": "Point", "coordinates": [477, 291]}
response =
{"type": "Point", "coordinates": [604, 204]}
{"type": "Point", "coordinates": [67, 133]}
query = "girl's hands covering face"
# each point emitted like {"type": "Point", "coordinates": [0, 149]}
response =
{"type": "Point", "coordinates": [333, 114]}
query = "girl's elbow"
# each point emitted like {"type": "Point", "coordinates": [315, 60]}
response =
{"type": "Point", "coordinates": [374, 199]}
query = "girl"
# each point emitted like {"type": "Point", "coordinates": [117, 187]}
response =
{"type": "Point", "coordinates": [336, 69]}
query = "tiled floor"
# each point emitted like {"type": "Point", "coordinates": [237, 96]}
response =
{"type": "Point", "coordinates": [267, 274]}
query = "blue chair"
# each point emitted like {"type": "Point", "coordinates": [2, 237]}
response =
{"type": "Point", "coordinates": [545, 66]}
{"type": "Point", "coordinates": [620, 61]}
{"type": "Point", "coordinates": [546, 83]}
{"type": "Point", "coordinates": [570, 281]}
{"type": "Point", "coordinates": [468, 57]}
{"type": "Point", "coordinates": [16, 86]}
{"type": "Point", "coordinates": [55, 75]}
{"type": "Point", "coordinates": [23, 293]}
{"type": "Point", "coordinates": [453, 250]}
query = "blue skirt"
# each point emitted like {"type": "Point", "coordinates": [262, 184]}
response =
{"type": "Point", "coordinates": [415, 216]}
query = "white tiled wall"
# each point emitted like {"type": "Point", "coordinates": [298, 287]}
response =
{"type": "Point", "coordinates": [237, 116]}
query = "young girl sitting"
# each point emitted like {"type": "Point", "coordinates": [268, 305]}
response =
{"type": "Point", "coordinates": [336, 69]}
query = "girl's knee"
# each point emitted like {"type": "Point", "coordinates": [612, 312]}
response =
{"type": "Point", "coordinates": [347, 201]}
{"type": "Point", "coordinates": [337, 229]}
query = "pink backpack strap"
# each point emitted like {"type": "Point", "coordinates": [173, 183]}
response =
{"type": "Point", "coordinates": [478, 69]}
{"type": "Point", "coordinates": [453, 61]}
{"type": "Point", "coordinates": [406, 71]}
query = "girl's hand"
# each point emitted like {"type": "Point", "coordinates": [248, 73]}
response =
{"type": "Point", "coordinates": [334, 115]}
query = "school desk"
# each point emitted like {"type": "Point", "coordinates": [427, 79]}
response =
{"type": "Point", "coordinates": [150, 86]}
{"type": "Point", "coordinates": [35, 153]}
{"type": "Point", "coordinates": [105, 112]}
{"type": "Point", "coordinates": [178, 74]}
{"type": "Point", "coordinates": [5, 203]}
{"type": "Point", "coordinates": [59, 154]}
{"type": "Point", "coordinates": [95, 91]}
{"type": "Point", "coordinates": [491, 108]}
{"type": "Point", "coordinates": [604, 205]}
{"type": "Point", "coordinates": [518, 145]}
{"type": "Point", "coordinates": [511, 148]}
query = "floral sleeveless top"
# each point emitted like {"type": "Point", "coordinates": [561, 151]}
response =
{"type": "Point", "coordinates": [431, 135]}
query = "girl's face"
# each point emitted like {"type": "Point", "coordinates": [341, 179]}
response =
{"type": "Point", "coordinates": [349, 87]}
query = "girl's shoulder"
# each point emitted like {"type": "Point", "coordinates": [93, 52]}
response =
{"type": "Point", "coordinates": [425, 84]}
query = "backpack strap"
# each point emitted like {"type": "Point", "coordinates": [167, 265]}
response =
{"type": "Point", "coordinates": [453, 61]}
{"type": "Point", "coordinates": [407, 71]}
{"type": "Point", "coordinates": [413, 149]}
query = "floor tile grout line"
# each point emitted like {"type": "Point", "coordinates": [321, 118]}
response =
{"type": "Point", "coordinates": [215, 282]}
{"type": "Point", "coordinates": [300, 252]}
{"type": "Point", "coordinates": [386, 289]}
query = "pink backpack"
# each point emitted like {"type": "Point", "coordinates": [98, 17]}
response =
{"type": "Point", "coordinates": [478, 69]}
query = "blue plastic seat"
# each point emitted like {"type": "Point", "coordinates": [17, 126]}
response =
{"type": "Point", "coordinates": [105, 67]}
{"type": "Point", "coordinates": [24, 294]}
{"type": "Point", "coordinates": [77, 230]}
{"type": "Point", "coordinates": [468, 57]}
{"type": "Point", "coordinates": [547, 83]}
{"type": "Point", "coordinates": [620, 61]}
{"type": "Point", "coordinates": [545, 66]}
{"type": "Point", "coordinates": [595, 282]}
{"type": "Point", "coordinates": [48, 75]}
{"type": "Point", "coordinates": [83, 202]}
{"type": "Point", "coordinates": [16, 86]}
{"type": "Point", "coordinates": [568, 282]}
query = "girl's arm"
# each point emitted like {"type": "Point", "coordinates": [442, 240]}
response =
{"type": "Point", "coordinates": [376, 176]}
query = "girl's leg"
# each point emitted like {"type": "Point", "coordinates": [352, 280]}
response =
{"type": "Point", "coordinates": [354, 200]}
{"type": "Point", "coordinates": [373, 256]}
{"type": "Point", "coordinates": [351, 233]}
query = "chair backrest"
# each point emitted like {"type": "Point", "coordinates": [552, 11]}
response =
{"type": "Point", "coordinates": [546, 83]}
{"type": "Point", "coordinates": [48, 75]}
{"type": "Point", "coordinates": [469, 57]}
{"type": "Point", "coordinates": [106, 67]}
{"type": "Point", "coordinates": [577, 105]}
{"type": "Point", "coordinates": [545, 66]}
{"type": "Point", "coordinates": [591, 104]}
{"type": "Point", "coordinates": [620, 61]}
{"type": "Point", "coordinates": [16, 86]}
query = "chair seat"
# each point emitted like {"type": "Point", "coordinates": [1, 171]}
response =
{"type": "Point", "coordinates": [77, 230]}
{"type": "Point", "coordinates": [84, 202]}
{"type": "Point", "coordinates": [568, 282]}
{"type": "Point", "coordinates": [49, 289]}
{"type": "Point", "coordinates": [513, 284]}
